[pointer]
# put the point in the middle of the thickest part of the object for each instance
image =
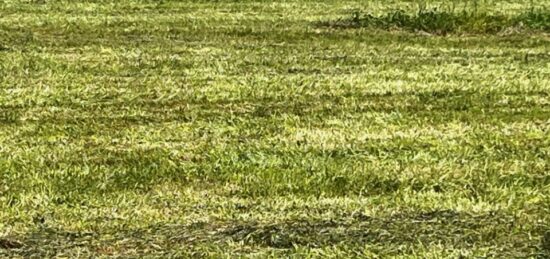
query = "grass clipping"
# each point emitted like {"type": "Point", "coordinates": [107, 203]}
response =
{"type": "Point", "coordinates": [441, 22]}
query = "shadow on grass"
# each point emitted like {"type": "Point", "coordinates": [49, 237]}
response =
{"type": "Point", "coordinates": [396, 234]}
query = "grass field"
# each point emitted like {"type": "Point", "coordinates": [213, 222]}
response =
{"type": "Point", "coordinates": [270, 129]}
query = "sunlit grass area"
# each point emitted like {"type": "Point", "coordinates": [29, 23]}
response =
{"type": "Point", "coordinates": [274, 129]}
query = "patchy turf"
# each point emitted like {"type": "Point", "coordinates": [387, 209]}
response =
{"type": "Point", "coordinates": [147, 128]}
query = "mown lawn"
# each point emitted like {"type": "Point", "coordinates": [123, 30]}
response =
{"type": "Point", "coordinates": [255, 128]}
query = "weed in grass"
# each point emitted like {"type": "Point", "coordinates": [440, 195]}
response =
{"type": "Point", "coordinates": [442, 22]}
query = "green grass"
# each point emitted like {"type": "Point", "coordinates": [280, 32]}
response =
{"type": "Point", "coordinates": [243, 128]}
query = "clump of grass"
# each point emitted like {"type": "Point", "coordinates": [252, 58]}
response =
{"type": "Point", "coordinates": [442, 22]}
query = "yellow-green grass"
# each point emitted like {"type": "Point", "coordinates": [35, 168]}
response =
{"type": "Point", "coordinates": [145, 128]}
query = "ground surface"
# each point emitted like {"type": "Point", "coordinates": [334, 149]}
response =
{"type": "Point", "coordinates": [242, 128]}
